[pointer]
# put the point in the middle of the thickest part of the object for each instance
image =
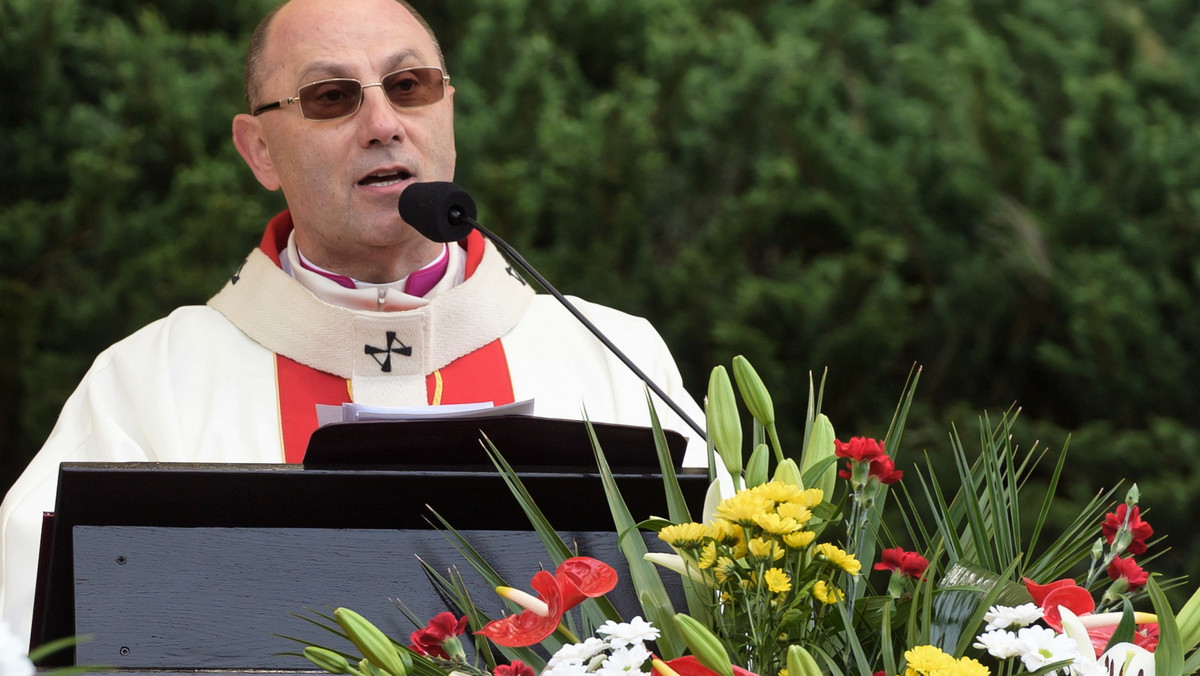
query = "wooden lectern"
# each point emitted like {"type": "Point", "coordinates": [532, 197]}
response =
{"type": "Point", "coordinates": [184, 567]}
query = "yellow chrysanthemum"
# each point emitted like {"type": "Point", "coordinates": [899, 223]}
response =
{"type": "Point", "coordinates": [791, 510]}
{"type": "Point", "coordinates": [724, 569]}
{"type": "Point", "coordinates": [708, 556]}
{"type": "Point", "coordinates": [926, 658]}
{"type": "Point", "coordinates": [965, 666]}
{"type": "Point", "coordinates": [743, 507]}
{"type": "Point", "coordinates": [777, 491]}
{"type": "Point", "coordinates": [766, 550]}
{"type": "Point", "coordinates": [839, 558]}
{"type": "Point", "coordinates": [739, 547]}
{"type": "Point", "coordinates": [726, 532]}
{"type": "Point", "coordinates": [799, 539]}
{"type": "Point", "coordinates": [775, 524]}
{"type": "Point", "coordinates": [826, 593]}
{"type": "Point", "coordinates": [810, 498]}
{"type": "Point", "coordinates": [782, 672]}
{"type": "Point", "coordinates": [684, 535]}
{"type": "Point", "coordinates": [777, 581]}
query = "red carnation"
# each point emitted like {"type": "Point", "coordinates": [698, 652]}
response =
{"type": "Point", "coordinates": [1140, 530]}
{"type": "Point", "coordinates": [517, 668]}
{"type": "Point", "coordinates": [885, 470]}
{"type": "Point", "coordinates": [1127, 568]}
{"type": "Point", "coordinates": [905, 564]}
{"type": "Point", "coordinates": [859, 449]}
{"type": "Point", "coordinates": [428, 639]}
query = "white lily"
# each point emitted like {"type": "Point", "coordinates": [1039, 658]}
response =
{"type": "Point", "coordinates": [1127, 659]}
{"type": "Point", "coordinates": [1123, 659]}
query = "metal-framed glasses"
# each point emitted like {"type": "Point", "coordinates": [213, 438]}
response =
{"type": "Point", "coordinates": [342, 96]}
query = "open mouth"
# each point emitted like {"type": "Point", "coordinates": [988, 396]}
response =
{"type": "Point", "coordinates": [385, 178]}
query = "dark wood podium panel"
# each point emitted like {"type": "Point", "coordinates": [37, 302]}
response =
{"type": "Point", "coordinates": [216, 598]}
{"type": "Point", "coordinates": [194, 566]}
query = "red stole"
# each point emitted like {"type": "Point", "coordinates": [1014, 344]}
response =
{"type": "Point", "coordinates": [481, 375]}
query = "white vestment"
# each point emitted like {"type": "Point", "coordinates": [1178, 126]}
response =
{"type": "Point", "coordinates": [201, 385]}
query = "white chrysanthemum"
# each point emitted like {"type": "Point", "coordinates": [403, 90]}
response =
{"type": "Point", "coordinates": [1005, 617]}
{"type": "Point", "coordinates": [624, 661]}
{"type": "Point", "coordinates": [1042, 646]}
{"type": "Point", "coordinates": [571, 668]}
{"type": "Point", "coordinates": [577, 653]}
{"type": "Point", "coordinates": [13, 659]}
{"type": "Point", "coordinates": [632, 632]}
{"type": "Point", "coordinates": [999, 643]}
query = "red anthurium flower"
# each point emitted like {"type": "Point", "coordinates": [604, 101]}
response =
{"type": "Point", "coordinates": [581, 577]}
{"type": "Point", "coordinates": [858, 449]}
{"type": "Point", "coordinates": [1140, 530]}
{"type": "Point", "coordinates": [428, 639]}
{"type": "Point", "coordinates": [1076, 599]}
{"type": "Point", "coordinates": [690, 666]}
{"type": "Point", "coordinates": [1039, 591]}
{"type": "Point", "coordinates": [517, 668]}
{"type": "Point", "coordinates": [577, 578]}
{"type": "Point", "coordinates": [906, 564]}
{"type": "Point", "coordinates": [1127, 568]}
{"type": "Point", "coordinates": [528, 627]}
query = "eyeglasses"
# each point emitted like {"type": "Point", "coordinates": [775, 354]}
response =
{"type": "Point", "coordinates": [342, 96]}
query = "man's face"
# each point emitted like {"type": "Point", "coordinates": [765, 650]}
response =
{"type": "Point", "coordinates": [343, 177]}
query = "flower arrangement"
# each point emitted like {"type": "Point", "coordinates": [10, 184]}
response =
{"type": "Point", "coordinates": [777, 572]}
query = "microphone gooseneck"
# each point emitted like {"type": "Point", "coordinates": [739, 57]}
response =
{"type": "Point", "coordinates": [444, 212]}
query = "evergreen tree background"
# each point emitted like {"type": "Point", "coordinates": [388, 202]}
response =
{"type": "Point", "coordinates": [1005, 192]}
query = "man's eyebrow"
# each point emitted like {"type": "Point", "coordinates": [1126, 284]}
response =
{"type": "Point", "coordinates": [319, 70]}
{"type": "Point", "coordinates": [322, 69]}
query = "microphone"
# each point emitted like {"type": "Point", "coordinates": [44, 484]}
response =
{"type": "Point", "coordinates": [444, 212]}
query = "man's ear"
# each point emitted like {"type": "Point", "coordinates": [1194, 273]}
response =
{"type": "Point", "coordinates": [252, 145]}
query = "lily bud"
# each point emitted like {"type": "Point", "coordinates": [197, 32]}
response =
{"type": "Point", "coordinates": [754, 392]}
{"type": "Point", "coordinates": [676, 563]}
{"type": "Point", "coordinates": [756, 468]}
{"type": "Point", "coordinates": [327, 659]}
{"type": "Point", "coordinates": [724, 426]}
{"type": "Point", "coordinates": [801, 663]}
{"type": "Point", "coordinates": [788, 472]}
{"type": "Point", "coordinates": [373, 643]}
{"type": "Point", "coordinates": [820, 449]}
{"type": "Point", "coordinates": [705, 646]}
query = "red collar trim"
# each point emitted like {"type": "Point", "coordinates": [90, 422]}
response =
{"type": "Point", "coordinates": [280, 227]}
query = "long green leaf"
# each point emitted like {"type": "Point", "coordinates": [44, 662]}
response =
{"type": "Point", "coordinates": [644, 575]}
{"type": "Point", "coordinates": [597, 610]}
{"type": "Point", "coordinates": [1168, 656]}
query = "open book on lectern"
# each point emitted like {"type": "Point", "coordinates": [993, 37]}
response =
{"type": "Point", "coordinates": [528, 443]}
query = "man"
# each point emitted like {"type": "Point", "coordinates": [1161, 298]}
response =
{"type": "Point", "coordinates": [342, 301]}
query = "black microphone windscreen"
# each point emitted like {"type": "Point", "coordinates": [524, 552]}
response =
{"type": "Point", "coordinates": [436, 210]}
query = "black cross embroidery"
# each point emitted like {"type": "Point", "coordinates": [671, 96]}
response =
{"type": "Point", "coordinates": [237, 274]}
{"type": "Point", "coordinates": [386, 362]}
{"type": "Point", "coordinates": [513, 273]}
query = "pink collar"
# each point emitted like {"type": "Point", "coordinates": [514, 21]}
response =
{"type": "Point", "coordinates": [416, 284]}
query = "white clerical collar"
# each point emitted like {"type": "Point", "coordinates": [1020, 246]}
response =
{"type": "Point", "coordinates": [387, 297]}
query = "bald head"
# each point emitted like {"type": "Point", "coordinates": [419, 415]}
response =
{"type": "Point", "coordinates": [253, 72]}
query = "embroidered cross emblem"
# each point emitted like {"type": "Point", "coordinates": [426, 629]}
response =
{"type": "Point", "coordinates": [513, 273]}
{"type": "Point", "coordinates": [237, 274]}
{"type": "Point", "coordinates": [383, 355]}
